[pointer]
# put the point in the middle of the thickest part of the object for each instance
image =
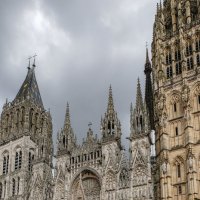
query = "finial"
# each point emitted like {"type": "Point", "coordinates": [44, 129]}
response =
{"type": "Point", "coordinates": [110, 108]}
{"type": "Point", "coordinates": [139, 100]}
{"type": "Point", "coordinates": [34, 60]}
{"type": "Point", "coordinates": [147, 53]}
{"type": "Point", "coordinates": [89, 125]}
{"type": "Point", "coordinates": [67, 115]}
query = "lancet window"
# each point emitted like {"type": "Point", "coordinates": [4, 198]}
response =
{"type": "Point", "coordinates": [18, 159]}
{"type": "Point", "coordinates": [5, 163]}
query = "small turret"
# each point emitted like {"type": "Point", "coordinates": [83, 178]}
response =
{"type": "Point", "coordinates": [139, 121]}
{"type": "Point", "coordinates": [66, 138]}
{"type": "Point", "coordinates": [110, 124]}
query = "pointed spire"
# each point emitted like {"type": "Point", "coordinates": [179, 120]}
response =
{"type": "Point", "coordinates": [147, 67]}
{"type": "Point", "coordinates": [147, 55]}
{"type": "Point", "coordinates": [131, 108]}
{"type": "Point", "coordinates": [149, 90]}
{"type": "Point", "coordinates": [139, 101]}
{"type": "Point", "coordinates": [110, 108]}
{"type": "Point", "coordinates": [29, 89]}
{"type": "Point", "coordinates": [67, 116]}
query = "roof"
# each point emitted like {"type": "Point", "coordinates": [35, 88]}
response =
{"type": "Point", "coordinates": [29, 89]}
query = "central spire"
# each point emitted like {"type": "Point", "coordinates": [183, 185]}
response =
{"type": "Point", "coordinates": [110, 108]}
{"type": "Point", "coordinates": [67, 116]}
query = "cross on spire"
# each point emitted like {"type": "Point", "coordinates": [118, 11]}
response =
{"type": "Point", "coordinates": [34, 60]}
{"type": "Point", "coordinates": [29, 61]}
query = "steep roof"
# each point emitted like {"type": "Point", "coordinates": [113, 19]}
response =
{"type": "Point", "coordinates": [29, 89]}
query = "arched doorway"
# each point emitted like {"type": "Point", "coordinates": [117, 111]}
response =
{"type": "Point", "coordinates": [86, 186]}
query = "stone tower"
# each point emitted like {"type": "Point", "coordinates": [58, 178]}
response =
{"type": "Point", "coordinates": [26, 145]}
{"type": "Point", "coordinates": [176, 77]}
{"type": "Point", "coordinates": [140, 149]}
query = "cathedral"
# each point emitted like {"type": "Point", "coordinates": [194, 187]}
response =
{"type": "Point", "coordinates": [164, 141]}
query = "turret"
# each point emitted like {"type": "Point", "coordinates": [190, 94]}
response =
{"type": "Point", "coordinates": [139, 119]}
{"type": "Point", "coordinates": [66, 138]}
{"type": "Point", "coordinates": [110, 124]}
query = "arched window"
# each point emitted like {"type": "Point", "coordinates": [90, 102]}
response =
{"type": "Point", "coordinates": [198, 45]}
{"type": "Point", "coordinates": [179, 171]}
{"type": "Point", "coordinates": [169, 72]}
{"type": "Point", "coordinates": [20, 159]}
{"type": "Point", "coordinates": [18, 184]}
{"type": "Point", "coordinates": [175, 107]}
{"type": "Point", "coordinates": [64, 140]}
{"type": "Point", "coordinates": [141, 123]}
{"type": "Point", "coordinates": [5, 163]}
{"type": "Point", "coordinates": [198, 59]}
{"type": "Point", "coordinates": [13, 187]}
{"type": "Point", "coordinates": [1, 190]}
{"type": "Point", "coordinates": [16, 160]}
{"type": "Point", "coordinates": [23, 115]}
{"type": "Point", "coordinates": [109, 126]}
{"type": "Point", "coordinates": [176, 130]}
{"type": "Point", "coordinates": [30, 160]}
{"type": "Point", "coordinates": [189, 49]}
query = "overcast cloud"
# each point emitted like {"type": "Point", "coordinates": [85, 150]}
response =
{"type": "Point", "coordinates": [83, 46]}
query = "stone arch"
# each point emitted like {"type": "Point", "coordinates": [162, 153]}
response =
{"type": "Point", "coordinates": [196, 96]}
{"type": "Point", "coordinates": [86, 185]}
{"type": "Point", "coordinates": [176, 108]}
{"type": "Point", "coordinates": [178, 169]}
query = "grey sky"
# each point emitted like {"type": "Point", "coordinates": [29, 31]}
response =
{"type": "Point", "coordinates": [83, 46]}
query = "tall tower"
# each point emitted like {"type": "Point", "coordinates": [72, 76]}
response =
{"type": "Point", "coordinates": [176, 77]}
{"type": "Point", "coordinates": [26, 144]}
{"type": "Point", "coordinates": [140, 167]}
{"type": "Point", "coordinates": [111, 149]}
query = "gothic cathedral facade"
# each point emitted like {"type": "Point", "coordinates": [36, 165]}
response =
{"type": "Point", "coordinates": [176, 74]}
{"type": "Point", "coordinates": [98, 168]}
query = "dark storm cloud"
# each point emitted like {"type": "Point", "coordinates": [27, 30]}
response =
{"type": "Point", "coordinates": [82, 48]}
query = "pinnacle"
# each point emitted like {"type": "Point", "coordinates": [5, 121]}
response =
{"type": "Point", "coordinates": [110, 108]}
{"type": "Point", "coordinates": [147, 68]}
{"type": "Point", "coordinates": [67, 115]}
{"type": "Point", "coordinates": [147, 56]}
{"type": "Point", "coordinates": [139, 100]}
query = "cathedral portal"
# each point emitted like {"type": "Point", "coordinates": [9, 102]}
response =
{"type": "Point", "coordinates": [86, 186]}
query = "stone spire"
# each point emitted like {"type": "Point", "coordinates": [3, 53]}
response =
{"type": "Point", "coordinates": [66, 138]}
{"type": "Point", "coordinates": [149, 91]}
{"type": "Point", "coordinates": [29, 89]}
{"type": "Point", "coordinates": [110, 124]}
{"type": "Point", "coordinates": [139, 100]}
{"type": "Point", "coordinates": [110, 108]}
{"type": "Point", "coordinates": [138, 118]}
{"type": "Point", "coordinates": [67, 122]}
